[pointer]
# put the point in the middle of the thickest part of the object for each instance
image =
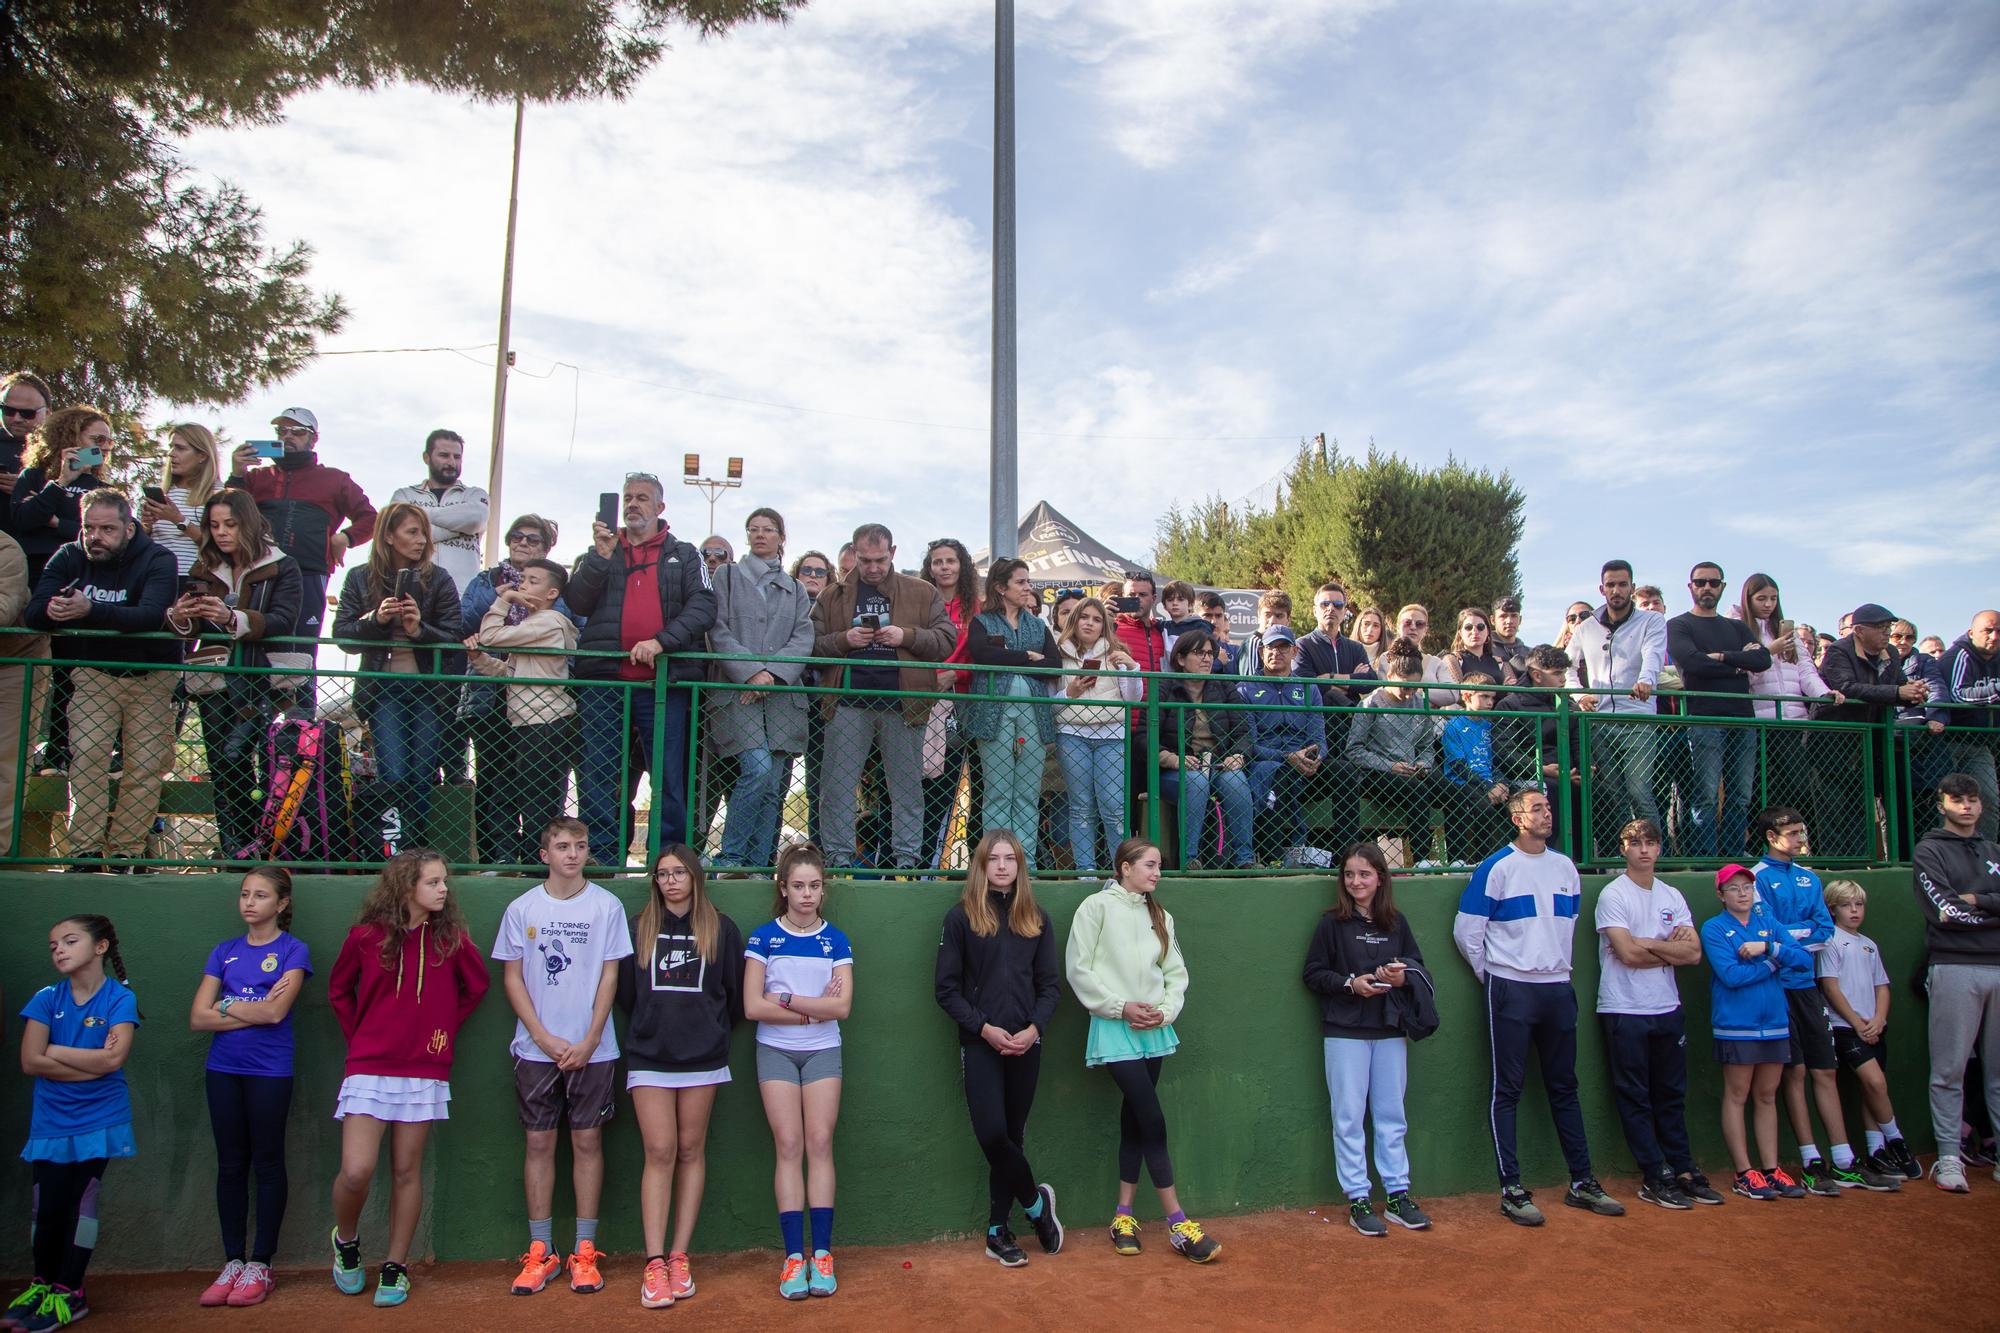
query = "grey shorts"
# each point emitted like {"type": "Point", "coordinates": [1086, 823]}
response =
{"type": "Point", "coordinates": [543, 1093]}
{"type": "Point", "coordinates": [798, 1067]}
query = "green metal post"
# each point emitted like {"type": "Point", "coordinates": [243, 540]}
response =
{"type": "Point", "coordinates": [1150, 757]}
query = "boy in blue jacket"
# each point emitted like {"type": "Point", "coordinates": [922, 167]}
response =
{"type": "Point", "coordinates": [1796, 900]}
{"type": "Point", "coordinates": [1751, 1023]}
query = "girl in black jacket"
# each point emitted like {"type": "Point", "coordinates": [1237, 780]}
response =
{"type": "Point", "coordinates": [418, 632]}
{"type": "Point", "coordinates": [997, 979]}
{"type": "Point", "coordinates": [1361, 955]}
{"type": "Point", "coordinates": [678, 1020]}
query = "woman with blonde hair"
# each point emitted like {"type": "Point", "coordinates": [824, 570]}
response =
{"type": "Point", "coordinates": [189, 474]}
{"type": "Point", "coordinates": [1090, 729]}
{"type": "Point", "coordinates": [997, 979]}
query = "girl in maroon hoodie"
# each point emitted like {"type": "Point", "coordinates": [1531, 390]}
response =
{"type": "Point", "coordinates": [406, 979]}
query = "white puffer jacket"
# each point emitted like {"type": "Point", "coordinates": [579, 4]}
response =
{"type": "Point", "coordinates": [1091, 713]}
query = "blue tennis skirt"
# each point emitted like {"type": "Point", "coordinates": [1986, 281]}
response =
{"type": "Point", "coordinates": [112, 1141]}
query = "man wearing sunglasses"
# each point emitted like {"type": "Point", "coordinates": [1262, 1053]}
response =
{"type": "Point", "coordinates": [715, 553]}
{"type": "Point", "coordinates": [24, 402]}
{"type": "Point", "coordinates": [1717, 655]}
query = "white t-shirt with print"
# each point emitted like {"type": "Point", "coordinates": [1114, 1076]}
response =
{"type": "Point", "coordinates": [799, 964]}
{"type": "Point", "coordinates": [1644, 914]}
{"type": "Point", "coordinates": [1856, 962]}
{"type": "Point", "coordinates": [563, 945]}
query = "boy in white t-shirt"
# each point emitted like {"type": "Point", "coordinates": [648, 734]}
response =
{"type": "Point", "coordinates": [560, 943]}
{"type": "Point", "coordinates": [1855, 986]}
{"type": "Point", "coordinates": [1645, 931]}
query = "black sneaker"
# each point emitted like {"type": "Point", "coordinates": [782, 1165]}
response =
{"type": "Point", "coordinates": [1048, 1227]}
{"type": "Point", "coordinates": [1665, 1193]}
{"type": "Point", "coordinates": [1518, 1206]}
{"type": "Point", "coordinates": [1817, 1179]}
{"type": "Point", "coordinates": [1694, 1185]}
{"type": "Point", "coordinates": [1362, 1218]}
{"type": "Point", "coordinates": [1588, 1194]}
{"type": "Point", "coordinates": [1000, 1244]}
{"type": "Point", "coordinates": [1863, 1176]}
{"type": "Point", "coordinates": [1972, 1152]}
{"type": "Point", "coordinates": [1125, 1233]}
{"type": "Point", "coordinates": [1896, 1156]}
{"type": "Point", "coordinates": [1403, 1211]}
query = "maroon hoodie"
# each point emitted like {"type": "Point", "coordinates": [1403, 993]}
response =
{"type": "Point", "coordinates": [403, 1021]}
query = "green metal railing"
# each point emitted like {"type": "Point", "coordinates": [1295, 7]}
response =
{"type": "Point", "coordinates": [1864, 788]}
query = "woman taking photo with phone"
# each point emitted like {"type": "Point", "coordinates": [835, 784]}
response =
{"type": "Point", "coordinates": [1090, 730]}
{"type": "Point", "coordinates": [400, 612]}
{"type": "Point", "coordinates": [171, 510]}
{"type": "Point", "coordinates": [1013, 736]}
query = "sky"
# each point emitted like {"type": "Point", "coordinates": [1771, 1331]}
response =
{"type": "Point", "coordinates": [1709, 282]}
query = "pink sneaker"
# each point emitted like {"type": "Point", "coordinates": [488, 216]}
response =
{"type": "Point", "coordinates": [253, 1286]}
{"type": "Point", "coordinates": [225, 1282]}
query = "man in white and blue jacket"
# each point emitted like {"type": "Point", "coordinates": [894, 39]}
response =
{"type": "Point", "coordinates": [1287, 740]}
{"type": "Point", "coordinates": [1516, 926]}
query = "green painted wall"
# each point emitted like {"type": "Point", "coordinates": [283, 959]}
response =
{"type": "Point", "coordinates": [1245, 1097]}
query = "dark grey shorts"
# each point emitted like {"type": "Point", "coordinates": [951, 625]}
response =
{"type": "Point", "coordinates": [543, 1091]}
{"type": "Point", "coordinates": [799, 1067]}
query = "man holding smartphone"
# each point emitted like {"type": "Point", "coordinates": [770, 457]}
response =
{"type": "Point", "coordinates": [306, 503]}
{"type": "Point", "coordinates": [881, 621]}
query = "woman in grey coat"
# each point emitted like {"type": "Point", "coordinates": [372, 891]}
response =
{"type": "Point", "coordinates": [761, 612]}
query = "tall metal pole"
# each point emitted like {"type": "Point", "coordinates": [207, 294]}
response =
{"type": "Point", "coordinates": [1005, 510]}
{"type": "Point", "coordinates": [502, 358]}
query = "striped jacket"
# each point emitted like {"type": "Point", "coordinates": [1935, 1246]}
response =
{"type": "Point", "coordinates": [1517, 917]}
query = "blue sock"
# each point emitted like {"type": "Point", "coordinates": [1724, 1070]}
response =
{"type": "Point", "coordinates": [1890, 1130]}
{"type": "Point", "coordinates": [993, 1230]}
{"type": "Point", "coordinates": [542, 1229]}
{"type": "Point", "coordinates": [586, 1230]}
{"type": "Point", "coordinates": [793, 1225]}
{"type": "Point", "coordinates": [1176, 1217]}
{"type": "Point", "coordinates": [822, 1230]}
{"type": "Point", "coordinates": [1035, 1208]}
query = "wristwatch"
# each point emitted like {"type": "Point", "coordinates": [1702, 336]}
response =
{"type": "Point", "coordinates": [784, 999]}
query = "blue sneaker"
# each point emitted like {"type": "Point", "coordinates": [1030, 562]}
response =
{"type": "Point", "coordinates": [393, 1287]}
{"type": "Point", "coordinates": [347, 1275]}
{"type": "Point", "coordinates": [792, 1283]}
{"type": "Point", "coordinates": [821, 1281]}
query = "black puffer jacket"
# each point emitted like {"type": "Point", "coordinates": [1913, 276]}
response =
{"type": "Point", "coordinates": [687, 606]}
{"type": "Point", "coordinates": [439, 633]}
{"type": "Point", "coordinates": [1002, 978]}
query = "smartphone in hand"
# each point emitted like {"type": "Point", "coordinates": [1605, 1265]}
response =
{"type": "Point", "coordinates": [406, 582]}
{"type": "Point", "coordinates": [607, 509]}
{"type": "Point", "coordinates": [153, 493]}
{"type": "Point", "coordinates": [266, 448]}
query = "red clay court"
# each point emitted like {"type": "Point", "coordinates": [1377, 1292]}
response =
{"type": "Point", "coordinates": [1853, 1262]}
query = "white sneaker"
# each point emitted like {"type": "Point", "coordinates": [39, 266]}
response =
{"type": "Point", "coordinates": [1948, 1174]}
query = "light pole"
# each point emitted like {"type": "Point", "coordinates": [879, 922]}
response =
{"type": "Point", "coordinates": [1004, 513]}
{"type": "Point", "coordinates": [709, 486]}
{"type": "Point", "coordinates": [503, 358]}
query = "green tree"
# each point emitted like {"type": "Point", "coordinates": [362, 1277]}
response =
{"type": "Point", "coordinates": [122, 279]}
{"type": "Point", "coordinates": [1392, 531]}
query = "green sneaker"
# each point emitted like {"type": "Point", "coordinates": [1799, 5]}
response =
{"type": "Point", "coordinates": [1518, 1206]}
{"type": "Point", "coordinates": [348, 1276]}
{"type": "Point", "coordinates": [1817, 1178]}
{"type": "Point", "coordinates": [393, 1287]}
{"type": "Point", "coordinates": [1590, 1196]}
{"type": "Point", "coordinates": [60, 1308]}
{"type": "Point", "coordinates": [26, 1303]}
{"type": "Point", "coordinates": [1861, 1176]}
{"type": "Point", "coordinates": [1362, 1218]}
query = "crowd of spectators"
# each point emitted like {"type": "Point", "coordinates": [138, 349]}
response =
{"type": "Point", "coordinates": [947, 715]}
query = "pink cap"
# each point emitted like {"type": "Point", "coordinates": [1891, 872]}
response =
{"type": "Point", "coordinates": [1731, 871]}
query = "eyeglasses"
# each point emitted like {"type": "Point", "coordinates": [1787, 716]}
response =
{"type": "Point", "coordinates": [714, 553]}
{"type": "Point", "coordinates": [1704, 583]}
{"type": "Point", "coordinates": [295, 432]}
{"type": "Point", "coordinates": [524, 535]}
{"type": "Point", "coordinates": [13, 411]}
{"type": "Point", "coordinates": [1571, 618]}
{"type": "Point", "coordinates": [814, 572]}
{"type": "Point", "coordinates": [1901, 638]}
{"type": "Point", "coordinates": [1418, 624]}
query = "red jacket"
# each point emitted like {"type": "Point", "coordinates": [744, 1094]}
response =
{"type": "Point", "coordinates": [403, 1021]}
{"type": "Point", "coordinates": [305, 502]}
{"type": "Point", "coordinates": [1146, 640]}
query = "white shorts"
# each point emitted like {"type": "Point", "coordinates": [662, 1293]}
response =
{"type": "Point", "coordinates": [699, 1078]}
{"type": "Point", "coordinates": [387, 1097]}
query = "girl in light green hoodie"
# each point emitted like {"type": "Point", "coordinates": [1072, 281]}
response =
{"type": "Point", "coordinates": [1124, 963]}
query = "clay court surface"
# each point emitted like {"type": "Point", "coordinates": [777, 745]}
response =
{"type": "Point", "coordinates": [1918, 1258]}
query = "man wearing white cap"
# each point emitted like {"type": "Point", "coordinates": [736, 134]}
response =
{"type": "Point", "coordinates": [306, 503]}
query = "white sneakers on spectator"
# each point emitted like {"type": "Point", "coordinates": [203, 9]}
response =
{"type": "Point", "coordinates": [1948, 1174]}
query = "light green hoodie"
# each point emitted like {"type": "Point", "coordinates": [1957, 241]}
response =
{"type": "Point", "coordinates": [1114, 956]}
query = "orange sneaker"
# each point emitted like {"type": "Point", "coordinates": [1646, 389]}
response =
{"type": "Point", "coordinates": [678, 1276]}
{"type": "Point", "coordinates": [583, 1274]}
{"type": "Point", "coordinates": [656, 1290]}
{"type": "Point", "coordinates": [537, 1267]}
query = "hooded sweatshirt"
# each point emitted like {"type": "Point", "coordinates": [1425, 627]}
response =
{"type": "Point", "coordinates": [1968, 679]}
{"type": "Point", "coordinates": [403, 1021]}
{"type": "Point", "coordinates": [1113, 956]}
{"type": "Point", "coordinates": [129, 593]}
{"type": "Point", "coordinates": [679, 1015]}
{"type": "Point", "coordinates": [1948, 865]}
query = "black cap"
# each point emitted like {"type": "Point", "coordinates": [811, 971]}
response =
{"type": "Point", "coordinates": [1507, 603]}
{"type": "Point", "coordinates": [1872, 613]}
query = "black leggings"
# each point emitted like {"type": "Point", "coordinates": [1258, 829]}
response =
{"type": "Point", "coordinates": [247, 1112]}
{"type": "Point", "coordinates": [1000, 1091]}
{"type": "Point", "coordinates": [1142, 1124]}
{"type": "Point", "coordinates": [65, 1211]}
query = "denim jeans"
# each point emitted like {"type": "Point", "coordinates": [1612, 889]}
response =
{"type": "Point", "coordinates": [602, 780]}
{"type": "Point", "coordinates": [1627, 752]}
{"type": "Point", "coordinates": [1094, 772]}
{"type": "Point", "coordinates": [750, 828]}
{"type": "Point", "coordinates": [1277, 786]}
{"type": "Point", "coordinates": [1367, 1076]}
{"type": "Point", "coordinates": [1726, 756]}
{"type": "Point", "coordinates": [1012, 766]}
{"type": "Point", "coordinates": [1192, 789]}
{"type": "Point", "coordinates": [405, 720]}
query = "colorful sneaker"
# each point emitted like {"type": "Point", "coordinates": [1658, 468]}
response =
{"type": "Point", "coordinates": [656, 1289]}
{"type": "Point", "coordinates": [1781, 1181]}
{"type": "Point", "coordinates": [1861, 1176]}
{"type": "Point", "coordinates": [393, 1287]}
{"type": "Point", "coordinates": [1588, 1194]}
{"type": "Point", "coordinates": [821, 1279]}
{"type": "Point", "coordinates": [680, 1280]}
{"type": "Point", "coordinates": [1187, 1236]}
{"type": "Point", "coordinates": [583, 1274]}
{"type": "Point", "coordinates": [1001, 1245]}
{"type": "Point", "coordinates": [348, 1276]}
{"type": "Point", "coordinates": [1948, 1174]}
{"type": "Point", "coordinates": [1695, 1186]}
{"type": "Point", "coordinates": [1403, 1211]}
{"type": "Point", "coordinates": [792, 1282]}
{"type": "Point", "coordinates": [1665, 1193]}
{"type": "Point", "coordinates": [60, 1308]}
{"type": "Point", "coordinates": [1048, 1227]}
{"type": "Point", "coordinates": [1754, 1184]}
{"type": "Point", "coordinates": [1125, 1233]}
{"type": "Point", "coordinates": [1817, 1179]}
{"type": "Point", "coordinates": [1362, 1218]}
{"type": "Point", "coordinates": [1518, 1206]}
{"type": "Point", "coordinates": [1897, 1157]}
{"type": "Point", "coordinates": [225, 1282]}
{"type": "Point", "coordinates": [23, 1305]}
{"type": "Point", "coordinates": [253, 1286]}
{"type": "Point", "coordinates": [538, 1266]}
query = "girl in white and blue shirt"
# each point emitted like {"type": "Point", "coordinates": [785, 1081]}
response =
{"type": "Point", "coordinates": [798, 983]}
